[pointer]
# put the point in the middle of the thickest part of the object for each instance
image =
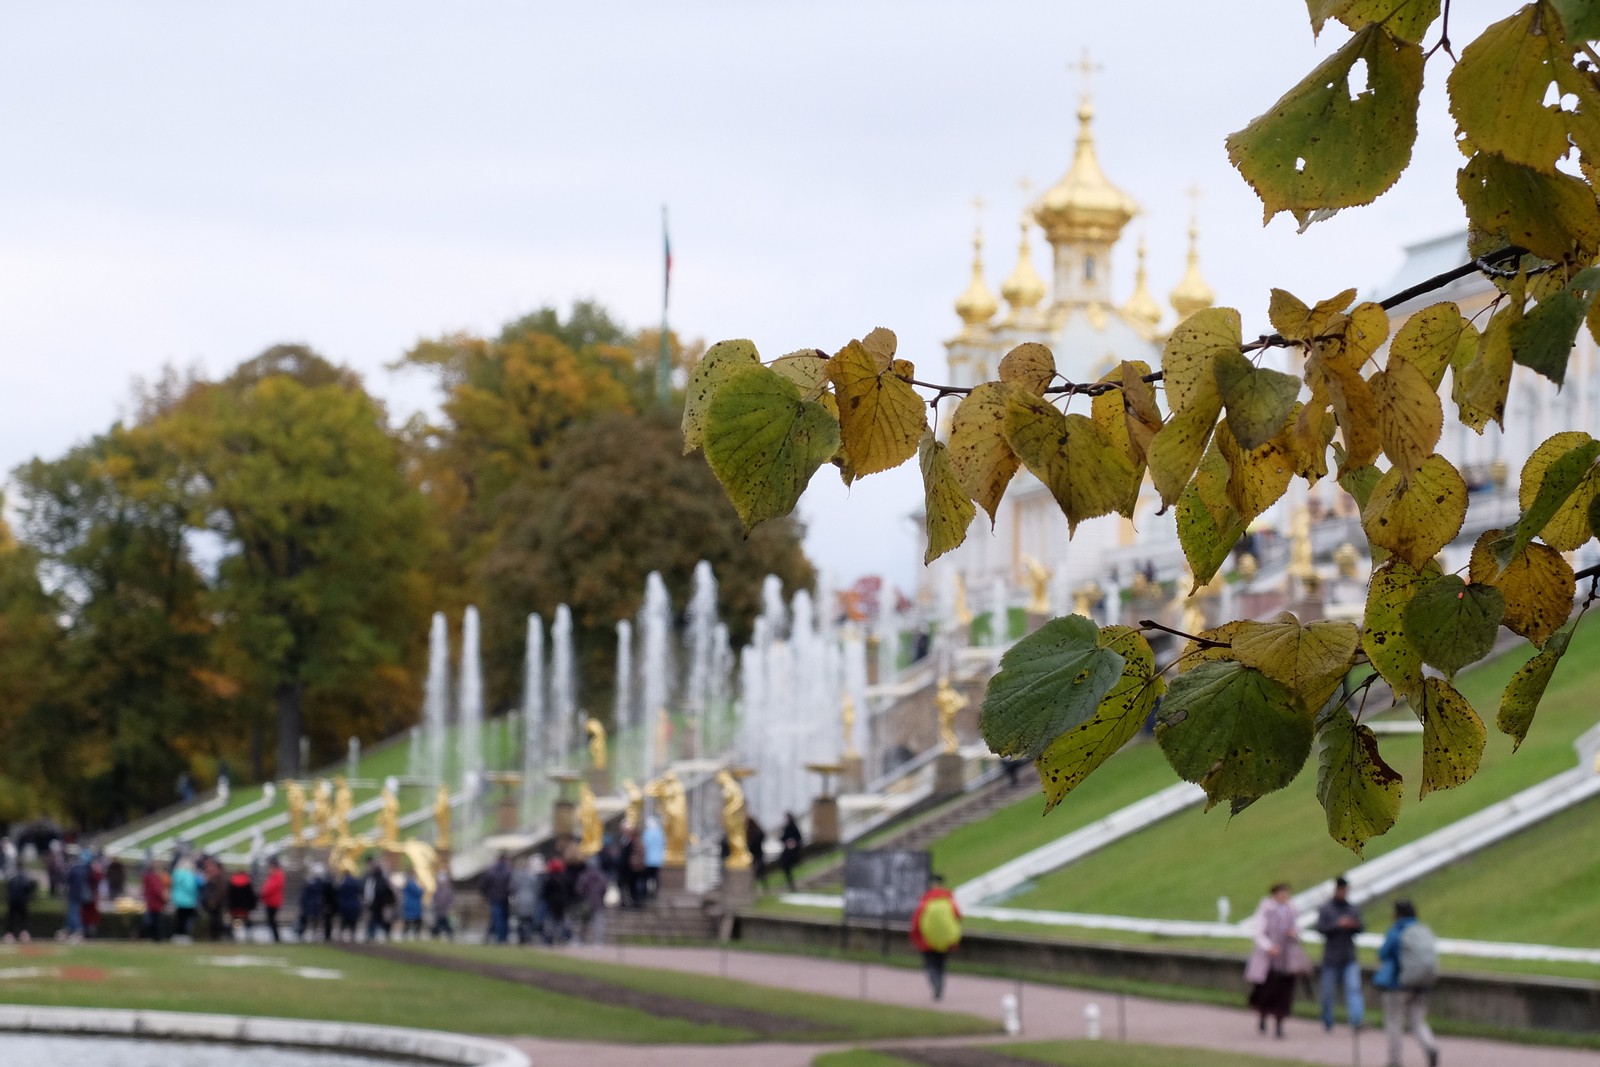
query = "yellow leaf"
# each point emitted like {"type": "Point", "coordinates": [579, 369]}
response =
{"type": "Point", "coordinates": [1554, 216]}
{"type": "Point", "coordinates": [979, 455]}
{"type": "Point", "coordinates": [1257, 478]}
{"type": "Point", "coordinates": [1383, 637]}
{"type": "Point", "coordinates": [808, 369]}
{"type": "Point", "coordinates": [1176, 449]}
{"type": "Point", "coordinates": [1538, 585]}
{"type": "Point", "coordinates": [1311, 660]}
{"type": "Point", "coordinates": [1208, 526]}
{"type": "Point", "coordinates": [948, 510]}
{"type": "Point", "coordinates": [1479, 387]}
{"type": "Point", "coordinates": [1525, 690]}
{"type": "Point", "coordinates": [1071, 456]}
{"type": "Point", "coordinates": [1106, 410]}
{"type": "Point", "coordinates": [1030, 366]}
{"type": "Point", "coordinates": [1410, 414]}
{"type": "Point", "coordinates": [1352, 401]}
{"type": "Point", "coordinates": [881, 342]}
{"type": "Point", "coordinates": [1139, 407]}
{"type": "Point", "coordinates": [1310, 432]}
{"type": "Point", "coordinates": [1349, 340]}
{"type": "Point", "coordinates": [881, 418]}
{"type": "Point", "coordinates": [1296, 322]}
{"type": "Point", "coordinates": [1431, 339]}
{"type": "Point", "coordinates": [1188, 361]}
{"type": "Point", "coordinates": [1452, 736]}
{"type": "Point", "coordinates": [763, 442]}
{"type": "Point", "coordinates": [721, 361]}
{"type": "Point", "coordinates": [1569, 528]}
{"type": "Point", "coordinates": [1414, 515]}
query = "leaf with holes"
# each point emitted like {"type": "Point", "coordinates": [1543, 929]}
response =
{"type": "Point", "coordinates": [1406, 19]}
{"type": "Point", "coordinates": [1233, 731]}
{"type": "Point", "coordinates": [881, 418]}
{"type": "Point", "coordinates": [1538, 586]}
{"type": "Point", "coordinates": [949, 511]}
{"type": "Point", "coordinates": [721, 361]}
{"type": "Point", "coordinates": [979, 455]}
{"type": "Point", "coordinates": [1415, 515]}
{"type": "Point", "coordinates": [763, 442]}
{"type": "Point", "coordinates": [1452, 737]}
{"type": "Point", "coordinates": [1526, 688]}
{"type": "Point", "coordinates": [1359, 792]}
{"type": "Point", "coordinates": [1452, 623]}
{"type": "Point", "coordinates": [1049, 682]}
{"type": "Point", "coordinates": [1071, 758]}
{"type": "Point", "coordinates": [1554, 216]}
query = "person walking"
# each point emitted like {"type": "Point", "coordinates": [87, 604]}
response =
{"type": "Point", "coordinates": [527, 883]}
{"type": "Point", "coordinates": [348, 895]}
{"type": "Point", "coordinates": [1408, 967]}
{"type": "Point", "coordinates": [590, 891]}
{"type": "Point", "coordinates": [153, 884]}
{"type": "Point", "coordinates": [1339, 921]}
{"type": "Point", "coordinates": [185, 898]}
{"type": "Point", "coordinates": [1277, 961]}
{"type": "Point", "coordinates": [272, 895]}
{"type": "Point", "coordinates": [242, 900]}
{"type": "Point", "coordinates": [444, 898]}
{"type": "Point", "coordinates": [789, 858]}
{"type": "Point", "coordinates": [755, 839]}
{"type": "Point", "coordinates": [936, 931]}
{"type": "Point", "coordinates": [315, 906]}
{"type": "Point", "coordinates": [654, 841]}
{"type": "Point", "coordinates": [496, 889]}
{"type": "Point", "coordinates": [20, 889]}
{"type": "Point", "coordinates": [411, 908]}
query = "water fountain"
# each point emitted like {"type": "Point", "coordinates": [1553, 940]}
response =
{"type": "Point", "coordinates": [535, 728]}
{"type": "Point", "coordinates": [563, 700]}
{"type": "Point", "coordinates": [436, 695]}
{"type": "Point", "coordinates": [469, 699]}
{"type": "Point", "coordinates": [655, 667]}
{"type": "Point", "coordinates": [702, 654]}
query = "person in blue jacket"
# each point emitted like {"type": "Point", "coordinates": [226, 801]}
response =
{"type": "Point", "coordinates": [1407, 968]}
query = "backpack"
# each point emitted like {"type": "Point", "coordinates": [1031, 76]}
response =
{"type": "Point", "coordinates": [1419, 957]}
{"type": "Point", "coordinates": [940, 928]}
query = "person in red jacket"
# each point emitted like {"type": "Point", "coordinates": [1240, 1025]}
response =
{"type": "Point", "coordinates": [154, 884]}
{"type": "Point", "coordinates": [272, 894]}
{"type": "Point", "coordinates": [935, 931]}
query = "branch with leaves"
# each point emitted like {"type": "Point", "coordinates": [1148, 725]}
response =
{"type": "Point", "coordinates": [1220, 438]}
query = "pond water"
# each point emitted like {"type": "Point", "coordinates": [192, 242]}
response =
{"type": "Point", "coordinates": [64, 1051]}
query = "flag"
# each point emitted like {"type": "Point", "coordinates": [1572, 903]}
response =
{"type": "Point", "coordinates": [666, 248]}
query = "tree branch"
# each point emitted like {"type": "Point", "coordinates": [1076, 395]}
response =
{"type": "Point", "coordinates": [1203, 642]}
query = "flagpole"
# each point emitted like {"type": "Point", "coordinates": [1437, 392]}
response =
{"type": "Point", "coordinates": [664, 363]}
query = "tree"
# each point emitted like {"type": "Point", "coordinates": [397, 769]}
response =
{"type": "Point", "coordinates": [29, 642]}
{"type": "Point", "coordinates": [621, 500]}
{"type": "Point", "coordinates": [1250, 701]}
{"type": "Point", "coordinates": [321, 591]}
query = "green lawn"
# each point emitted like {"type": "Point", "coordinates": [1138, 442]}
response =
{"type": "Point", "coordinates": [843, 1019]}
{"type": "Point", "coordinates": [1077, 1054]}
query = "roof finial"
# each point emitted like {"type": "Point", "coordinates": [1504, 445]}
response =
{"type": "Point", "coordinates": [1024, 289]}
{"type": "Point", "coordinates": [1141, 307]}
{"type": "Point", "coordinates": [1088, 68]}
{"type": "Point", "coordinates": [1192, 293]}
{"type": "Point", "coordinates": [977, 305]}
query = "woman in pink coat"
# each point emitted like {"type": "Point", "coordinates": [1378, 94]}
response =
{"type": "Point", "coordinates": [1278, 960]}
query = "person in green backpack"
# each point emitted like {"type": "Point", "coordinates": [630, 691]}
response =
{"type": "Point", "coordinates": [935, 931]}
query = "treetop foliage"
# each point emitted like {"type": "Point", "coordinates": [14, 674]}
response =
{"type": "Point", "coordinates": [1221, 438]}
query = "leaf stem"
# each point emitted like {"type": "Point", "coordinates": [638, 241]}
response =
{"type": "Point", "coordinates": [1203, 642]}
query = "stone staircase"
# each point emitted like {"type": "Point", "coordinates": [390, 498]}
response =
{"type": "Point", "coordinates": [992, 793]}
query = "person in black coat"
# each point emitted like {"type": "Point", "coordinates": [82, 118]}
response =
{"type": "Point", "coordinates": [378, 895]}
{"type": "Point", "coordinates": [755, 838]}
{"type": "Point", "coordinates": [316, 899]}
{"type": "Point", "coordinates": [789, 858]}
{"type": "Point", "coordinates": [349, 897]}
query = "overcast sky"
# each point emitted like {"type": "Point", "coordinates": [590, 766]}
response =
{"type": "Point", "coordinates": [190, 183]}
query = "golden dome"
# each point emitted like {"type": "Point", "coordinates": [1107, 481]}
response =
{"type": "Point", "coordinates": [1024, 290]}
{"type": "Point", "coordinates": [1192, 293]}
{"type": "Point", "coordinates": [1084, 205]}
{"type": "Point", "coordinates": [1141, 308]}
{"type": "Point", "coordinates": [977, 305]}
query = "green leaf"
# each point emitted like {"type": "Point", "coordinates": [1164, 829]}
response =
{"type": "Point", "coordinates": [1581, 18]}
{"type": "Point", "coordinates": [949, 511]}
{"type": "Point", "coordinates": [1452, 737]}
{"type": "Point", "coordinates": [1072, 456]}
{"type": "Point", "coordinates": [1177, 448]}
{"type": "Point", "coordinates": [1414, 515]}
{"type": "Point", "coordinates": [1526, 688]}
{"type": "Point", "coordinates": [881, 418]}
{"type": "Point", "coordinates": [1538, 585]}
{"type": "Point", "coordinates": [1311, 660]}
{"type": "Point", "coordinates": [982, 460]}
{"type": "Point", "coordinates": [1049, 682]}
{"type": "Point", "coordinates": [1557, 484]}
{"type": "Point", "coordinates": [1452, 623]}
{"type": "Point", "coordinates": [1322, 146]}
{"type": "Point", "coordinates": [763, 442]}
{"type": "Point", "coordinates": [1359, 792]}
{"type": "Point", "coordinates": [1207, 530]}
{"type": "Point", "coordinates": [1406, 19]}
{"type": "Point", "coordinates": [1070, 758]}
{"type": "Point", "coordinates": [1383, 637]}
{"type": "Point", "coordinates": [1481, 379]}
{"type": "Point", "coordinates": [1258, 400]}
{"type": "Point", "coordinates": [1233, 731]}
{"type": "Point", "coordinates": [721, 361]}
{"type": "Point", "coordinates": [1542, 339]}
{"type": "Point", "coordinates": [1554, 216]}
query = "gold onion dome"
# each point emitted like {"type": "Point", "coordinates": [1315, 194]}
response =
{"type": "Point", "coordinates": [977, 305]}
{"type": "Point", "coordinates": [1084, 205]}
{"type": "Point", "coordinates": [1024, 289]}
{"type": "Point", "coordinates": [1192, 293]}
{"type": "Point", "coordinates": [1142, 308]}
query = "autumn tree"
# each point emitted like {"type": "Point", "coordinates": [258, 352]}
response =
{"type": "Point", "coordinates": [30, 640]}
{"type": "Point", "coordinates": [1221, 437]}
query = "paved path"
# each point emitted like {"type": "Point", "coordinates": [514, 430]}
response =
{"type": "Point", "coordinates": [1048, 1012]}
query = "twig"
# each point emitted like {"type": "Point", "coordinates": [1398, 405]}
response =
{"type": "Point", "coordinates": [1444, 36]}
{"type": "Point", "coordinates": [1203, 642]}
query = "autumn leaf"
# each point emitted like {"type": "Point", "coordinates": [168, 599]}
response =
{"type": "Point", "coordinates": [1258, 400]}
{"type": "Point", "coordinates": [881, 417]}
{"type": "Point", "coordinates": [1453, 623]}
{"type": "Point", "coordinates": [1311, 660]}
{"type": "Point", "coordinates": [1452, 737]}
{"type": "Point", "coordinates": [1410, 414]}
{"type": "Point", "coordinates": [1291, 317]}
{"type": "Point", "coordinates": [1537, 583]}
{"type": "Point", "coordinates": [1557, 484]}
{"type": "Point", "coordinates": [1383, 637]}
{"type": "Point", "coordinates": [949, 512]}
{"type": "Point", "coordinates": [1359, 792]}
{"type": "Point", "coordinates": [1431, 339]}
{"type": "Point", "coordinates": [763, 442]}
{"type": "Point", "coordinates": [1526, 688]}
{"type": "Point", "coordinates": [1071, 456]}
{"type": "Point", "coordinates": [1415, 515]}
{"type": "Point", "coordinates": [721, 361]}
{"type": "Point", "coordinates": [980, 458]}
{"type": "Point", "coordinates": [1049, 682]}
{"type": "Point", "coordinates": [1029, 366]}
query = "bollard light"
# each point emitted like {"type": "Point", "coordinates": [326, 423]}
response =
{"type": "Point", "coordinates": [1091, 1021]}
{"type": "Point", "coordinates": [1011, 1014]}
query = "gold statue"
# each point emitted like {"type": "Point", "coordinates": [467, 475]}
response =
{"type": "Point", "coordinates": [589, 825]}
{"type": "Point", "coordinates": [322, 814]}
{"type": "Point", "coordinates": [963, 612]}
{"type": "Point", "coordinates": [343, 800]}
{"type": "Point", "coordinates": [597, 743]}
{"type": "Point", "coordinates": [441, 818]}
{"type": "Point", "coordinates": [1085, 599]}
{"type": "Point", "coordinates": [294, 795]}
{"type": "Point", "coordinates": [425, 862]}
{"type": "Point", "coordinates": [672, 807]}
{"type": "Point", "coordinates": [1142, 588]}
{"type": "Point", "coordinates": [735, 817]}
{"type": "Point", "coordinates": [389, 819]}
{"type": "Point", "coordinates": [949, 703]}
{"type": "Point", "coordinates": [1038, 586]}
{"type": "Point", "coordinates": [847, 719]}
{"type": "Point", "coordinates": [1300, 565]}
{"type": "Point", "coordinates": [633, 814]}
{"type": "Point", "coordinates": [1348, 558]}
{"type": "Point", "coordinates": [345, 855]}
